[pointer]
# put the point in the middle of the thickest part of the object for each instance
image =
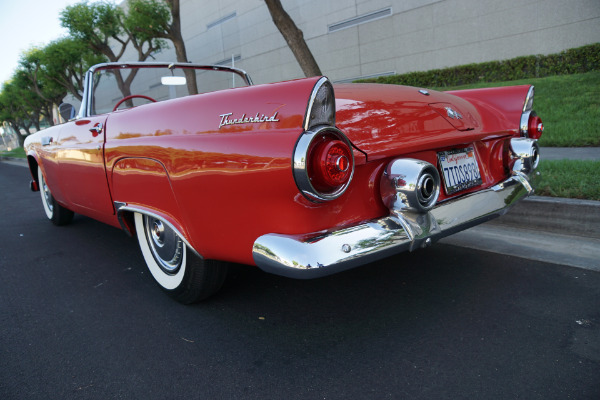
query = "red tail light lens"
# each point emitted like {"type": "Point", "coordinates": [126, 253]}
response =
{"type": "Point", "coordinates": [536, 127]}
{"type": "Point", "coordinates": [330, 164]}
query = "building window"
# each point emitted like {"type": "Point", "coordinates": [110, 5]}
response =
{"type": "Point", "coordinates": [361, 19]}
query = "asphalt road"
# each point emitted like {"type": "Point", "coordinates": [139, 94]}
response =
{"type": "Point", "coordinates": [80, 318]}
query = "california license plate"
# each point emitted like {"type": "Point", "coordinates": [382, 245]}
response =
{"type": "Point", "coordinates": [459, 168]}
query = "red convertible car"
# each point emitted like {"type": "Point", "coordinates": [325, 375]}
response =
{"type": "Point", "coordinates": [301, 178]}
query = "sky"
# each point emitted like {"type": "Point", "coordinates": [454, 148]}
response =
{"type": "Point", "coordinates": [27, 23]}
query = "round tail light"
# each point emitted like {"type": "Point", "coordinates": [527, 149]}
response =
{"type": "Point", "coordinates": [323, 164]}
{"type": "Point", "coordinates": [536, 127]}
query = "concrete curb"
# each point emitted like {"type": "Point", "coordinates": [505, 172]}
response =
{"type": "Point", "coordinates": [558, 215]}
{"type": "Point", "coordinates": [570, 153]}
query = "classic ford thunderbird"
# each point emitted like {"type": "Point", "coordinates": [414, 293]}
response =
{"type": "Point", "coordinates": [301, 178]}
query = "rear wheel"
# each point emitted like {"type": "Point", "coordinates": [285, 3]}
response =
{"type": "Point", "coordinates": [54, 211]}
{"type": "Point", "coordinates": [180, 272]}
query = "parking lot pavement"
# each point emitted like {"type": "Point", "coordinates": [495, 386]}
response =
{"type": "Point", "coordinates": [80, 317]}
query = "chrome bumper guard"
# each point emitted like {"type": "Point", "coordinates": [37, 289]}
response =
{"type": "Point", "coordinates": [404, 229]}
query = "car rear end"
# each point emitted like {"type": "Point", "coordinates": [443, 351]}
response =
{"type": "Point", "coordinates": [402, 167]}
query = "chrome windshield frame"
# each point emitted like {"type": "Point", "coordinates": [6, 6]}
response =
{"type": "Point", "coordinates": [86, 104]}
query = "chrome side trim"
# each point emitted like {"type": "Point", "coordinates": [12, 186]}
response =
{"type": "Point", "coordinates": [527, 109]}
{"type": "Point", "coordinates": [524, 126]}
{"type": "Point", "coordinates": [528, 105]}
{"type": "Point", "coordinates": [121, 207]}
{"type": "Point", "coordinates": [85, 108]}
{"type": "Point", "coordinates": [305, 256]}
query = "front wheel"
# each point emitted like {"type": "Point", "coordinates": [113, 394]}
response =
{"type": "Point", "coordinates": [54, 211]}
{"type": "Point", "coordinates": [179, 271]}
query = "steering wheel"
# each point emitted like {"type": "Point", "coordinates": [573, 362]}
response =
{"type": "Point", "coordinates": [133, 96]}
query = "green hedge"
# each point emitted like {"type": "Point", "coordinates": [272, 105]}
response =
{"type": "Point", "coordinates": [572, 61]}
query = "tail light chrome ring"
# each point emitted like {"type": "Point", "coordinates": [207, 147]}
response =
{"type": "Point", "coordinates": [301, 163]}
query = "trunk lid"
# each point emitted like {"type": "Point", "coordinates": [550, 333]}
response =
{"type": "Point", "coordinates": [386, 120]}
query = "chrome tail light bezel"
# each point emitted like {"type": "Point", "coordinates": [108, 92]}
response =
{"type": "Point", "coordinates": [319, 121]}
{"type": "Point", "coordinates": [528, 115]}
{"type": "Point", "coordinates": [302, 159]}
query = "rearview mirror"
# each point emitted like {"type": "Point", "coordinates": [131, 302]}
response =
{"type": "Point", "coordinates": [173, 80]}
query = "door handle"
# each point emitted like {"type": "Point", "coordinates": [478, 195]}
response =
{"type": "Point", "coordinates": [96, 129]}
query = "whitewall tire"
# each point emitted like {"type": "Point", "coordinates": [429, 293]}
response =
{"type": "Point", "coordinates": [178, 270]}
{"type": "Point", "coordinates": [54, 211]}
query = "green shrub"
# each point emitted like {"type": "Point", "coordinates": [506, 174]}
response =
{"type": "Point", "coordinates": [572, 61]}
{"type": "Point", "coordinates": [569, 178]}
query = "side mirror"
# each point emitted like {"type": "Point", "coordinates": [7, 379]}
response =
{"type": "Point", "coordinates": [67, 111]}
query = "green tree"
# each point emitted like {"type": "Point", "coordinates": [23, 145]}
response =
{"type": "Point", "coordinates": [149, 19]}
{"type": "Point", "coordinates": [65, 61]}
{"type": "Point", "coordinates": [20, 106]}
{"type": "Point", "coordinates": [102, 27]}
{"type": "Point", "coordinates": [294, 38]}
{"type": "Point", "coordinates": [44, 92]}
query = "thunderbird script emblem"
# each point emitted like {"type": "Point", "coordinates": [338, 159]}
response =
{"type": "Point", "coordinates": [257, 119]}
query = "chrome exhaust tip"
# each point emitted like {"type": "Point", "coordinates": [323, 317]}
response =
{"type": "Point", "coordinates": [410, 184]}
{"type": "Point", "coordinates": [527, 153]}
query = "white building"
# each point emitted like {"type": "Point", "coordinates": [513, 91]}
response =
{"type": "Point", "coordinates": [362, 38]}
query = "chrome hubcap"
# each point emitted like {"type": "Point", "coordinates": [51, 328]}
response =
{"type": "Point", "coordinates": [165, 244]}
{"type": "Point", "coordinates": [158, 233]}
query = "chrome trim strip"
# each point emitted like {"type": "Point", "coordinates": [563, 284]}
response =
{"type": "Point", "coordinates": [299, 164]}
{"type": "Point", "coordinates": [527, 109]}
{"type": "Point", "coordinates": [311, 101]}
{"type": "Point", "coordinates": [524, 125]}
{"type": "Point", "coordinates": [297, 256]}
{"type": "Point", "coordinates": [85, 109]}
{"type": "Point", "coordinates": [120, 207]}
{"type": "Point", "coordinates": [528, 105]}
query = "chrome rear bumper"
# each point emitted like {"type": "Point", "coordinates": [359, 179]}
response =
{"type": "Point", "coordinates": [295, 256]}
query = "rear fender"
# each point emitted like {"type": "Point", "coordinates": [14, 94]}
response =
{"type": "Point", "coordinates": [500, 107]}
{"type": "Point", "coordinates": [143, 185]}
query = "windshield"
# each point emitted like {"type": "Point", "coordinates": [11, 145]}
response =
{"type": "Point", "coordinates": [128, 86]}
